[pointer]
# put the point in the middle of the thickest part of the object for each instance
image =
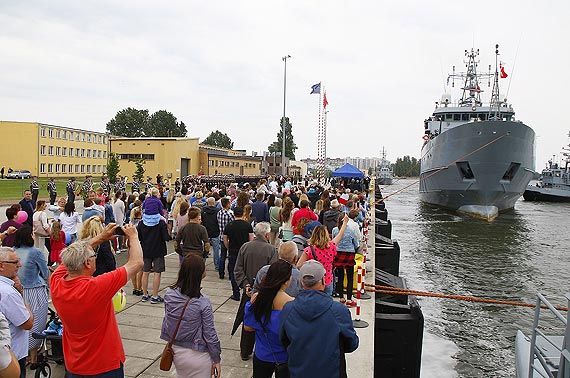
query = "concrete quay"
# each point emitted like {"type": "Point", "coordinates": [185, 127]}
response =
{"type": "Point", "coordinates": [140, 324]}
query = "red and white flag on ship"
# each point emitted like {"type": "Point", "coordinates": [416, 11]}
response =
{"type": "Point", "coordinates": [503, 73]}
{"type": "Point", "coordinates": [325, 102]}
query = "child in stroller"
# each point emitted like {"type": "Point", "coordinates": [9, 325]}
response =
{"type": "Point", "coordinates": [51, 348]}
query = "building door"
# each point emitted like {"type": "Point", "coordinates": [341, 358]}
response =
{"type": "Point", "coordinates": [241, 170]}
{"type": "Point", "coordinates": [184, 163]}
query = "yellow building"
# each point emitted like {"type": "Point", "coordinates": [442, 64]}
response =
{"type": "Point", "coordinates": [222, 161]}
{"type": "Point", "coordinates": [171, 157]}
{"type": "Point", "coordinates": [52, 151]}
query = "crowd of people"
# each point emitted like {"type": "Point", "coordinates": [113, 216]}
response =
{"type": "Point", "coordinates": [288, 248]}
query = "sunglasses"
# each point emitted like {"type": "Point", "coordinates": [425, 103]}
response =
{"type": "Point", "coordinates": [15, 262]}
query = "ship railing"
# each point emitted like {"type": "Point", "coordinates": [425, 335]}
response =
{"type": "Point", "coordinates": [564, 361]}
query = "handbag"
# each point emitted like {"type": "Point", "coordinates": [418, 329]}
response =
{"type": "Point", "coordinates": [168, 353]}
{"type": "Point", "coordinates": [281, 368]}
{"type": "Point", "coordinates": [39, 229]}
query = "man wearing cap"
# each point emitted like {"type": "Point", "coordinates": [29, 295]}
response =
{"type": "Point", "coordinates": [35, 189]}
{"type": "Point", "coordinates": [52, 189]}
{"type": "Point", "coordinates": [315, 330]}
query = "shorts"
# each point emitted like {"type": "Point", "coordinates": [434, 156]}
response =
{"type": "Point", "coordinates": [156, 263]}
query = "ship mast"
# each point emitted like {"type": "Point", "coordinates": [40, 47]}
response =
{"type": "Point", "coordinates": [495, 107]}
{"type": "Point", "coordinates": [471, 79]}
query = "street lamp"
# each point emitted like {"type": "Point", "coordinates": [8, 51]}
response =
{"type": "Point", "coordinates": [283, 172]}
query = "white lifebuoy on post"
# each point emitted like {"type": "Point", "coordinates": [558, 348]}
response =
{"type": "Point", "coordinates": [473, 108]}
{"type": "Point", "coordinates": [425, 137]}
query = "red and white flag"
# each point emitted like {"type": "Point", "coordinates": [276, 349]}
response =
{"type": "Point", "coordinates": [503, 73]}
{"type": "Point", "coordinates": [325, 102]}
{"type": "Point", "coordinates": [343, 199]}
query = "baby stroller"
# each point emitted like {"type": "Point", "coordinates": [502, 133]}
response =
{"type": "Point", "coordinates": [51, 348]}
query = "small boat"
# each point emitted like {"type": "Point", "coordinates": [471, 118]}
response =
{"type": "Point", "coordinates": [477, 158]}
{"type": "Point", "coordinates": [554, 183]}
{"type": "Point", "coordinates": [542, 355]}
{"type": "Point", "coordinates": [384, 173]}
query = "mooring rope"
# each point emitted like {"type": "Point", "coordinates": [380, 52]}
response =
{"type": "Point", "coordinates": [401, 291]}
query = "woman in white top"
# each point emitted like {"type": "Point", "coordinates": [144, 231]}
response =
{"type": "Point", "coordinates": [58, 209]}
{"type": "Point", "coordinates": [41, 226]}
{"type": "Point", "coordinates": [285, 216]}
{"type": "Point", "coordinates": [69, 220]}
{"type": "Point", "coordinates": [119, 213]}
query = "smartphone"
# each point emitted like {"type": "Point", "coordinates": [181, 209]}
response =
{"type": "Point", "coordinates": [216, 373]}
{"type": "Point", "coordinates": [119, 231]}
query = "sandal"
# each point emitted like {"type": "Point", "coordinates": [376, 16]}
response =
{"type": "Point", "coordinates": [342, 300]}
{"type": "Point", "coordinates": [350, 303]}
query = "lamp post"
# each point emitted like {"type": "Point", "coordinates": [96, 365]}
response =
{"type": "Point", "coordinates": [283, 172]}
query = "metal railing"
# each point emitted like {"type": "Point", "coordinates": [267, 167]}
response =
{"type": "Point", "coordinates": [564, 359]}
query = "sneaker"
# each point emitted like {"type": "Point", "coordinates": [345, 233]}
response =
{"type": "Point", "coordinates": [145, 298]}
{"type": "Point", "coordinates": [245, 358]}
{"type": "Point", "coordinates": [155, 300]}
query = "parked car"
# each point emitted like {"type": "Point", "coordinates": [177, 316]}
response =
{"type": "Point", "coordinates": [19, 174]}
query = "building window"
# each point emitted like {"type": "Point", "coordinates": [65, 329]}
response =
{"type": "Point", "coordinates": [104, 154]}
{"type": "Point", "coordinates": [64, 134]}
{"type": "Point", "coordinates": [64, 151]}
{"type": "Point", "coordinates": [63, 166]}
{"type": "Point", "coordinates": [50, 150]}
{"type": "Point", "coordinates": [89, 137]}
{"type": "Point", "coordinates": [88, 153]}
{"type": "Point", "coordinates": [43, 150]}
{"type": "Point", "coordinates": [104, 140]}
{"type": "Point", "coordinates": [76, 168]}
{"type": "Point", "coordinates": [57, 151]}
{"type": "Point", "coordinates": [77, 136]}
{"type": "Point", "coordinates": [70, 168]}
{"type": "Point", "coordinates": [50, 132]}
{"type": "Point", "coordinates": [43, 168]}
{"type": "Point", "coordinates": [88, 168]}
{"type": "Point", "coordinates": [43, 132]}
{"type": "Point", "coordinates": [99, 154]}
{"type": "Point", "coordinates": [58, 134]}
{"type": "Point", "coordinates": [77, 152]}
{"type": "Point", "coordinates": [71, 135]}
{"type": "Point", "coordinates": [83, 153]}
{"type": "Point", "coordinates": [82, 168]}
{"type": "Point", "coordinates": [82, 137]}
{"type": "Point", "coordinates": [57, 168]}
{"type": "Point", "coordinates": [50, 168]}
{"type": "Point", "coordinates": [94, 166]}
{"type": "Point", "coordinates": [99, 139]}
{"type": "Point", "coordinates": [254, 166]}
{"type": "Point", "coordinates": [104, 169]}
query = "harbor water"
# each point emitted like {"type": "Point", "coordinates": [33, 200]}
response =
{"type": "Point", "coordinates": [523, 251]}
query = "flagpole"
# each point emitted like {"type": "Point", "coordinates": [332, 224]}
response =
{"type": "Point", "coordinates": [319, 132]}
{"type": "Point", "coordinates": [283, 170]}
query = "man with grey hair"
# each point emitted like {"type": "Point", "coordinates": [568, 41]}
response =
{"type": "Point", "coordinates": [251, 257]}
{"type": "Point", "coordinates": [287, 252]}
{"type": "Point", "coordinates": [12, 305]}
{"type": "Point", "coordinates": [91, 342]}
{"type": "Point", "coordinates": [315, 330]}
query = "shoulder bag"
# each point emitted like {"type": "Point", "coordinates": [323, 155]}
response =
{"type": "Point", "coordinates": [168, 353]}
{"type": "Point", "coordinates": [281, 368]}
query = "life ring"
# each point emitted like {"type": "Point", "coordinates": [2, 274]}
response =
{"type": "Point", "coordinates": [473, 108]}
{"type": "Point", "coordinates": [425, 137]}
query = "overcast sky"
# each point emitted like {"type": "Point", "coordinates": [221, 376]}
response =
{"type": "Point", "coordinates": [217, 65]}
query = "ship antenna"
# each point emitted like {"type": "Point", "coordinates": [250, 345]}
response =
{"type": "Point", "coordinates": [495, 100]}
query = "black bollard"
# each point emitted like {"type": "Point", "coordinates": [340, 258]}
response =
{"type": "Point", "coordinates": [383, 228]}
{"type": "Point", "coordinates": [387, 255]}
{"type": "Point", "coordinates": [382, 214]}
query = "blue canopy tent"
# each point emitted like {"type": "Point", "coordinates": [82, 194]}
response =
{"type": "Point", "coordinates": [348, 170]}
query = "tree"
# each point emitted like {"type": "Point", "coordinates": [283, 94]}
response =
{"type": "Point", "coordinates": [129, 122]}
{"type": "Point", "coordinates": [134, 123]}
{"type": "Point", "coordinates": [406, 167]}
{"type": "Point", "coordinates": [113, 168]}
{"type": "Point", "coordinates": [219, 139]}
{"type": "Point", "coordinates": [164, 124]}
{"type": "Point", "coordinates": [290, 145]}
{"type": "Point", "coordinates": [139, 172]}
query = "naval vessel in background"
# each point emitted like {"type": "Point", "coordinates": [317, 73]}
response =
{"type": "Point", "coordinates": [384, 172]}
{"type": "Point", "coordinates": [476, 158]}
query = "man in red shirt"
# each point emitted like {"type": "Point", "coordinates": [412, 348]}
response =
{"type": "Point", "coordinates": [92, 344]}
{"type": "Point", "coordinates": [303, 212]}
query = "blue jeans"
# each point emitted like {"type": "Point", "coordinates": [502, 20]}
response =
{"type": "Point", "coordinates": [222, 260]}
{"type": "Point", "coordinates": [215, 242]}
{"type": "Point", "coordinates": [231, 265]}
{"type": "Point", "coordinates": [329, 289]}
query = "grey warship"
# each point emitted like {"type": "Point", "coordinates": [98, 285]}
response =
{"type": "Point", "coordinates": [476, 158]}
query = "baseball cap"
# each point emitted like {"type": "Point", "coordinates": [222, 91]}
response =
{"type": "Point", "coordinates": [312, 272]}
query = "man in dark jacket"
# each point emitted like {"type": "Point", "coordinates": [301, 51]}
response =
{"type": "Point", "coordinates": [330, 217]}
{"type": "Point", "coordinates": [315, 330]}
{"type": "Point", "coordinates": [29, 206]}
{"type": "Point", "coordinates": [153, 237]}
{"type": "Point", "coordinates": [259, 209]}
{"type": "Point", "coordinates": [210, 221]}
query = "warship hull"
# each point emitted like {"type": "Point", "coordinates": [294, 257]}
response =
{"type": "Point", "coordinates": [478, 168]}
{"type": "Point", "coordinates": [534, 193]}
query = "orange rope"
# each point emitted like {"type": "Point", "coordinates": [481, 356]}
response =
{"type": "Point", "coordinates": [401, 291]}
{"type": "Point", "coordinates": [441, 169]}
